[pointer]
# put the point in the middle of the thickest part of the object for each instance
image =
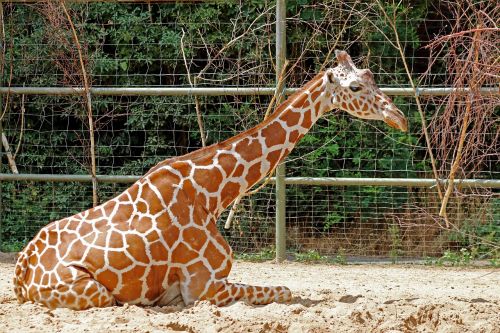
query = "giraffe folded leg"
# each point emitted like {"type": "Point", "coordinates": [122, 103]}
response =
{"type": "Point", "coordinates": [67, 287]}
{"type": "Point", "coordinates": [198, 283]}
{"type": "Point", "coordinates": [232, 292]}
{"type": "Point", "coordinates": [207, 279]}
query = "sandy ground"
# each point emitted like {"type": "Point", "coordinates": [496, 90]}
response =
{"type": "Point", "coordinates": [362, 298]}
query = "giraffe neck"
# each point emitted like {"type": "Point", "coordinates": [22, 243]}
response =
{"type": "Point", "coordinates": [224, 171]}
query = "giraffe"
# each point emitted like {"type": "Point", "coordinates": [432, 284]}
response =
{"type": "Point", "coordinates": [157, 243]}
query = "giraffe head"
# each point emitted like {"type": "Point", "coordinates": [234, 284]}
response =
{"type": "Point", "coordinates": [355, 91]}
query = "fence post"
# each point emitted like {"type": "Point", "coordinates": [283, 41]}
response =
{"type": "Point", "coordinates": [280, 170]}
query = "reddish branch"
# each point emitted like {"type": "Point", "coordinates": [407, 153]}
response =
{"type": "Point", "coordinates": [464, 134]}
{"type": "Point", "coordinates": [458, 34]}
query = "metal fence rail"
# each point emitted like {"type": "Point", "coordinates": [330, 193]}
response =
{"type": "Point", "coordinates": [312, 181]}
{"type": "Point", "coordinates": [216, 91]}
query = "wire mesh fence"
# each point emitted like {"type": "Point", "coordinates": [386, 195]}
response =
{"type": "Point", "coordinates": [226, 45]}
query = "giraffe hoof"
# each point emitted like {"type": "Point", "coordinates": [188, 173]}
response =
{"type": "Point", "coordinates": [284, 296]}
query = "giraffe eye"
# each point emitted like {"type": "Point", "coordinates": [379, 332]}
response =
{"type": "Point", "coordinates": [355, 88]}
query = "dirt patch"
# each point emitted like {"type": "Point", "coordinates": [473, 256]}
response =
{"type": "Point", "coordinates": [327, 298]}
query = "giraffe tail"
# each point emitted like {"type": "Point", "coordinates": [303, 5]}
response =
{"type": "Point", "coordinates": [20, 274]}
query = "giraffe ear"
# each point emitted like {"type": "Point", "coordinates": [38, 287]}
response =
{"type": "Point", "coordinates": [343, 58]}
{"type": "Point", "coordinates": [366, 75]}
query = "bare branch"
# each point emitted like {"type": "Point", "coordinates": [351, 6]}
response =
{"type": "Point", "coordinates": [88, 104]}
{"type": "Point", "coordinates": [8, 152]}
{"type": "Point", "coordinates": [199, 117]}
{"type": "Point", "coordinates": [417, 98]}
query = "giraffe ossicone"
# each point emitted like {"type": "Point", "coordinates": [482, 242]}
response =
{"type": "Point", "coordinates": [157, 243]}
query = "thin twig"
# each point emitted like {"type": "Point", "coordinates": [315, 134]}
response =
{"type": "Point", "coordinates": [21, 130]}
{"type": "Point", "coordinates": [196, 99]}
{"type": "Point", "coordinates": [339, 36]}
{"type": "Point", "coordinates": [465, 124]}
{"type": "Point", "coordinates": [5, 142]}
{"type": "Point", "coordinates": [458, 34]}
{"type": "Point", "coordinates": [88, 104]}
{"type": "Point", "coordinates": [10, 158]}
{"type": "Point", "coordinates": [417, 99]}
{"type": "Point", "coordinates": [232, 42]}
{"type": "Point", "coordinates": [2, 63]}
{"type": "Point", "coordinates": [278, 93]}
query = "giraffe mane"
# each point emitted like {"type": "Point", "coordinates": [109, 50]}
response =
{"type": "Point", "coordinates": [209, 150]}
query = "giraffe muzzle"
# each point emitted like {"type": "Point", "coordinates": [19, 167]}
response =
{"type": "Point", "coordinates": [395, 119]}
